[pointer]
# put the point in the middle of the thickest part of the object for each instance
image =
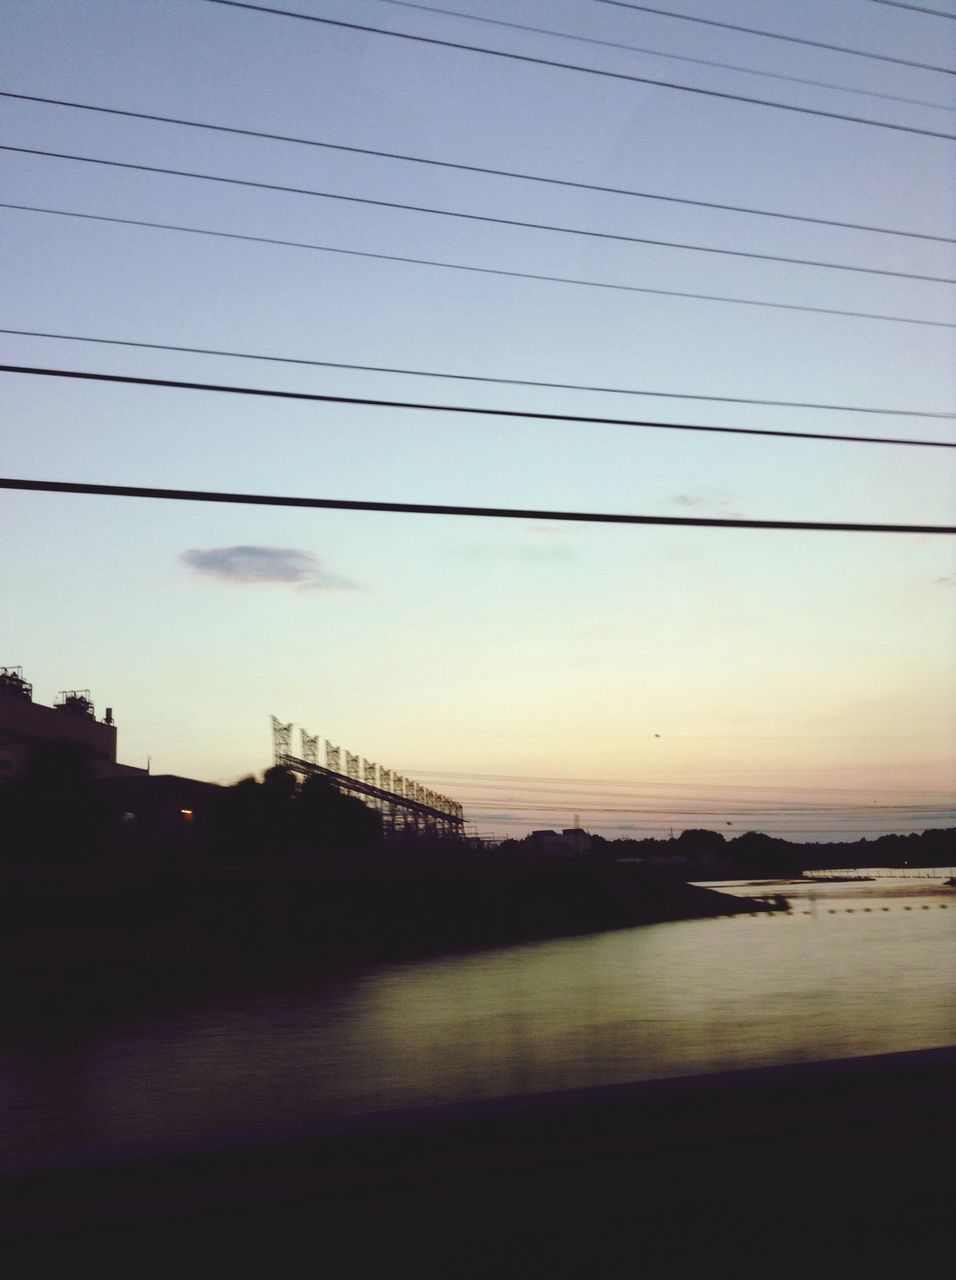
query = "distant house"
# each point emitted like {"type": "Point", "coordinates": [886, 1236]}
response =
{"type": "Point", "coordinates": [570, 840]}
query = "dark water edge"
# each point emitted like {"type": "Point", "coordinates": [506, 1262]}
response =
{"type": "Point", "coordinates": [819, 1168]}
{"type": "Point", "coordinates": [85, 945]}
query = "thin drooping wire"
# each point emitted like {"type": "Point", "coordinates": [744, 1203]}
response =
{"type": "Point", "coordinates": [657, 786]}
{"type": "Point", "coordinates": [531, 415]}
{"type": "Point", "coordinates": [603, 793]}
{"type": "Point", "coordinates": [491, 219]}
{"type": "Point", "coordinates": [177, 384]}
{"type": "Point", "coordinates": [592, 804]}
{"type": "Point", "coordinates": [444, 509]}
{"type": "Point", "coordinates": [892, 4]}
{"type": "Point", "coordinates": [488, 271]}
{"type": "Point", "coordinates": [757, 31]}
{"type": "Point", "coordinates": [673, 57]}
{"type": "Point", "coordinates": [476, 377]}
{"type": "Point", "coordinates": [484, 169]}
{"type": "Point", "coordinates": [596, 71]}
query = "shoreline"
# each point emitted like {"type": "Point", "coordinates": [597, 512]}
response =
{"type": "Point", "coordinates": [84, 946]}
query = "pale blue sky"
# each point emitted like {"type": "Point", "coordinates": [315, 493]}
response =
{"type": "Point", "coordinates": [786, 669]}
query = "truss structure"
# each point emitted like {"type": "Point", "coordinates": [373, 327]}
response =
{"type": "Point", "coordinates": [405, 805]}
{"type": "Point", "coordinates": [281, 740]}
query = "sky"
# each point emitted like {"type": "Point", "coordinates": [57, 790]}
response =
{"type": "Point", "coordinates": [635, 679]}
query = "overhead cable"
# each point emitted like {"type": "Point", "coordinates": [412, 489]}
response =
{"type": "Point", "coordinates": [488, 271]}
{"type": "Point", "coordinates": [477, 377]}
{"type": "Point", "coordinates": [591, 782]}
{"type": "Point", "coordinates": [177, 384]}
{"type": "Point", "coordinates": [673, 57]}
{"type": "Point", "coordinates": [892, 4]}
{"type": "Point", "coordinates": [769, 35]}
{"type": "Point", "coordinates": [444, 509]}
{"type": "Point", "coordinates": [475, 168]}
{"type": "Point", "coordinates": [491, 219]}
{"type": "Point", "coordinates": [588, 804]}
{"type": "Point", "coordinates": [596, 71]}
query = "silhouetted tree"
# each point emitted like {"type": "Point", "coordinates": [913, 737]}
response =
{"type": "Point", "coordinates": [760, 854]}
{"type": "Point", "coordinates": [328, 822]}
{"type": "Point", "coordinates": [698, 842]}
{"type": "Point", "coordinates": [280, 814]}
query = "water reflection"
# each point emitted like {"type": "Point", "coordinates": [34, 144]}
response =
{"type": "Point", "coordinates": [849, 971]}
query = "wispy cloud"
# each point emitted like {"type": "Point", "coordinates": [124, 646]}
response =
{"type": "Point", "coordinates": [265, 566]}
{"type": "Point", "coordinates": [947, 580]}
{"type": "Point", "coordinates": [720, 502]}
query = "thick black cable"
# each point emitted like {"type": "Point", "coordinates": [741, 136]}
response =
{"type": "Point", "coordinates": [443, 509]}
{"type": "Point", "coordinates": [596, 71]}
{"type": "Point", "coordinates": [487, 271]}
{"type": "Point", "coordinates": [178, 384]}
{"type": "Point", "coordinates": [481, 217]}
{"type": "Point", "coordinates": [673, 57]}
{"type": "Point", "coordinates": [475, 168]}
{"type": "Point", "coordinates": [477, 377]}
{"type": "Point", "coordinates": [892, 4]}
{"type": "Point", "coordinates": [756, 31]}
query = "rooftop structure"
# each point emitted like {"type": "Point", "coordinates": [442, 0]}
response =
{"type": "Point", "coordinates": [26, 725]}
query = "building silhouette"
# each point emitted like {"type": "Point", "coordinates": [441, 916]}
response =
{"type": "Point", "coordinates": [148, 811]}
{"type": "Point", "coordinates": [26, 725]}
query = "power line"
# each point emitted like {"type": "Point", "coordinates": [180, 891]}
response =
{"type": "Point", "coordinates": [481, 217]}
{"type": "Point", "coordinates": [475, 377]}
{"type": "Point", "coordinates": [534, 415]}
{"type": "Point", "coordinates": [699, 804]}
{"type": "Point", "coordinates": [488, 271]}
{"type": "Point", "coordinates": [770, 35]}
{"type": "Point", "coordinates": [701, 786]}
{"type": "Point", "coordinates": [595, 71]}
{"type": "Point", "coordinates": [590, 804]}
{"type": "Point", "coordinates": [674, 57]}
{"type": "Point", "coordinates": [474, 168]}
{"type": "Point", "coordinates": [892, 4]}
{"type": "Point", "coordinates": [442, 509]}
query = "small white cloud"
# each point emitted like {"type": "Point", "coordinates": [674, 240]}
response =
{"type": "Point", "coordinates": [719, 501]}
{"type": "Point", "coordinates": [258, 566]}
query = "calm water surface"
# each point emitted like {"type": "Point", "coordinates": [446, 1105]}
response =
{"type": "Point", "coordinates": [854, 969]}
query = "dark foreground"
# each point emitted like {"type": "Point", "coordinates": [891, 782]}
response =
{"type": "Point", "coordinates": [820, 1168]}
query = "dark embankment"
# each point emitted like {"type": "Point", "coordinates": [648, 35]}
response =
{"type": "Point", "coordinates": [85, 942]}
{"type": "Point", "coordinates": [811, 1169]}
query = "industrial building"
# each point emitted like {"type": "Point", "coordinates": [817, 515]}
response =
{"type": "Point", "coordinates": [25, 725]}
{"type": "Point", "coordinates": [152, 812]}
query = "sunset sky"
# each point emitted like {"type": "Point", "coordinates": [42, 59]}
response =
{"type": "Point", "coordinates": [641, 678]}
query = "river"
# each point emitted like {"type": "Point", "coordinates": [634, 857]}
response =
{"type": "Point", "coordinates": [853, 968]}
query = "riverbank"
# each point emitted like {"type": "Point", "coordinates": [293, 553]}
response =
{"type": "Point", "coordinates": [802, 1168]}
{"type": "Point", "coordinates": [83, 943]}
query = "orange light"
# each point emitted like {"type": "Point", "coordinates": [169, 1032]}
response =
{"type": "Point", "coordinates": [187, 815]}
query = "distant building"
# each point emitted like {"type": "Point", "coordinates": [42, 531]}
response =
{"type": "Point", "coordinates": [152, 813]}
{"type": "Point", "coordinates": [26, 725]}
{"type": "Point", "coordinates": [159, 813]}
{"type": "Point", "coordinates": [577, 840]}
{"type": "Point", "coordinates": [570, 840]}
